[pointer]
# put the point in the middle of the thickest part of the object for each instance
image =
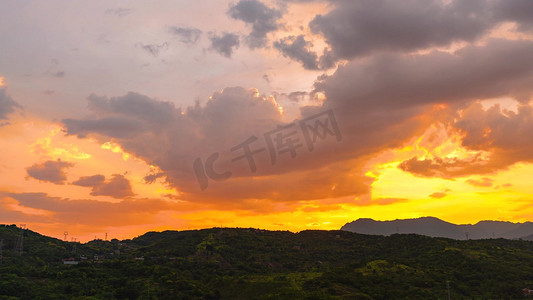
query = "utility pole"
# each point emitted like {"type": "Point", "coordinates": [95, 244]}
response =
{"type": "Point", "coordinates": [65, 234]}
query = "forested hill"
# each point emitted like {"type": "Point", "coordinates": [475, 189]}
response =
{"type": "Point", "coordinates": [232, 263]}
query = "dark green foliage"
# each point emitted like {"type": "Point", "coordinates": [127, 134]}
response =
{"type": "Point", "coordinates": [257, 264]}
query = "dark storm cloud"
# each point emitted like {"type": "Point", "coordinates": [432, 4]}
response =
{"type": "Point", "coordinates": [123, 114]}
{"type": "Point", "coordinates": [519, 11]}
{"type": "Point", "coordinates": [225, 43]}
{"type": "Point", "coordinates": [173, 141]}
{"type": "Point", "coordinates": [114, 127]}
{"type": "Point", "coordinates": [379, 103]}
{"type": "Point", "coordinates": [7, 105]}
{"type": "Point", "coordinates": [134, 105]}
{"type": "Point", "coordinates": [186, 35]}
{"type": "Point", "coordinates": [384, 100]}
{"type": "Point", "coordinates": [298, 49]}
{"type": "Point", "coordinates": [260, 17]}
{"type": "Point", "coordinates": [499, 68]}
{"type": "Point", "coordinates": [51, 171]}
{"type": "Point", "coordinates": [358, 28]}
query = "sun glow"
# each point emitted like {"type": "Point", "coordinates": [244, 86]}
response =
{"type": "Point", "coordinates": [115, 148]}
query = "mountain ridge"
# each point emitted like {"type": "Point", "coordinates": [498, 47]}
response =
{"type": "Point", "coordinates": [248, 263]}
{"type": "Point", "coordinates": [435, 227]}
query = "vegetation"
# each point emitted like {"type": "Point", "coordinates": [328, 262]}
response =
{"type": "Point", "coordinates": [229, 263]}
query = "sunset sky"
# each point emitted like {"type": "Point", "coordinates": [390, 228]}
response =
{"type": "Point", "coordinates": [122, 117]}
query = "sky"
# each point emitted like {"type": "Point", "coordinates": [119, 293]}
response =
{"type": "Point", "coordinates": [122, 117]}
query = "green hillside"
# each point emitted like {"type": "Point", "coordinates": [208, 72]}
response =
{"type": "Point", "coordinates": [234, 263]}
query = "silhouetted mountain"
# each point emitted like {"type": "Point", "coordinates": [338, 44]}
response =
{"type": "Point", "coordinates": [434, 227]}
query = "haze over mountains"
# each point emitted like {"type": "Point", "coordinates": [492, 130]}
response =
{"type": "Point", "coordinates": [434, 227]}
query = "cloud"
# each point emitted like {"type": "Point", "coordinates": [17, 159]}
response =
{"type": "Point", "coordinates": [151, 178]}
{"type": "Point", "coordinates": [93, 213]}
{"type": "Point", "coordinates": [430, 167]}
{"type": "Point", "coordinates": [50, 171]}
{"type": "Point", "coordinates": [199, 131]}
{"type": "Point", "coordinates": [384, 100]}
{"type": "Point", "coordinates": [297, 48]}
{"type": "Point", "coordinates": [90, 181]}
{"type": "Point", "coordinates": [119, 12]}
{"type": "Point", "coordinates": [483, 182]}
{"type": "Point", "coordinates": [58, 74]}
{"type": "Point", "coordinates": [358, 28]}
{"type": "Point", "coordinates": [517, 11]}
{"type": "Point", "coordinates": [450, 167]}
{"type": "Point", "coordinates": [438, 195]}
{"type": "Point", "coordinates": [7, 105]}
{"type": "Point", "coordinates": [186, 35]}
{"type": "Point", "coordinates": [225, 43]}
{"type": "Point", "coordinates": [154, 49]}
{"type": "Point", "coordinates": [496, 128]}
{"type": "Point", "coordinates": [499, 137]}
{"type": "Point", "coordinates": [499, 68]}
{"type": "Point", "coordinates": [262, 18]}
{"type": "Point", "coordinates": [508, 135]}
{"type": "Point", "coordinates": [117, 187]}
{"type": "Point", "coordinates": [366, 200]}
{"type": "Point", "coordinates": [379, 103]}
{"type": "Point", "coordinates": [115, 127]}
{"type": "Point", "coordinates": [11, 214]}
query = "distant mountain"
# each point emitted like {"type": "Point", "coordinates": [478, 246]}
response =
{"type": "Point", "coordinates": [435, 227]}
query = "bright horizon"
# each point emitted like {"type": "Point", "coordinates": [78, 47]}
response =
{"type": "Point", "coordinates": [127, 117]}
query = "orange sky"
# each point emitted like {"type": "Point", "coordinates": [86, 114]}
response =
{"type": "Point", "coordinates": [104, 134]}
